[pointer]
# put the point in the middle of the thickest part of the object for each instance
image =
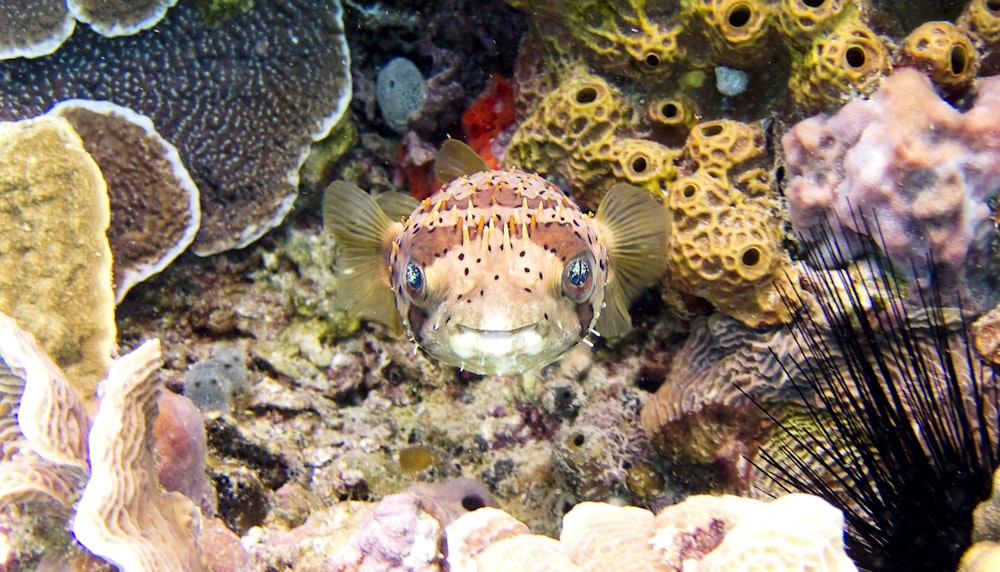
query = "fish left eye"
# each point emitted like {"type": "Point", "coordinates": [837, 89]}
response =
{"type": "Point", "coordinates": [578, 277]}
{"type": "Point", "coordinates": [413, 277]}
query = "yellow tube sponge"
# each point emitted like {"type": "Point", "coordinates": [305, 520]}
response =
{"type": "Point", "coordinates": [610, 29]}
{"type": "Point", "coordinates": [727, 226]}
{"type": "Point", "coordinates": [55, 262]}
{"type": "Point", "coordinates": [945, 52]}
{"type": "Point", "coordinates": [802, 21]}
{"type": "Point", "coordinates": [643, 163]}
{"type": "Point", "coordinates": [736, 29]}
{"type": "Point", "coordinates": [982, 17]}
{"type": "Point", "coordinates": [849, 61]}
{"type": "Point", "coordinates": [570, 135]}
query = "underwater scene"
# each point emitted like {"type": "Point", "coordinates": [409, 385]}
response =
{"type": "Point", "coordinates": [499, 285]}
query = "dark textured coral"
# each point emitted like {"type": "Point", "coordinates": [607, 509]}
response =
{"type": "Point", "coordinates": [32, 28]}
{"type": "Point", "coordinates": [241, 101]}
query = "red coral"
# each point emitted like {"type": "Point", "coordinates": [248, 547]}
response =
{"type": "Point", "coordinates": [488, 116]}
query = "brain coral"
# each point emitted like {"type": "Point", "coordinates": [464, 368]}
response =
{"type": "Point", "coordinates": [242, 104]}
{"type": "Point", "coordinates": [925, 169]}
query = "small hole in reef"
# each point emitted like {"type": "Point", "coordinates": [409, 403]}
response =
{"type": "Point", "coordinates": [813, 3]}
{"type": "Point", "coordinates": [739, 15]}
{"type": "Point", "coordinates": [652, 60]}
{"type": "Point", "coordinates": [586, 95]}
{"type": "Point", "coordinates": [670, 110]}
{"type": "Point", "coordinates": [993, 5]}
{"type": "Point", "coordinates": [578, 440]}
{"type": "Point", "coordinates": [959, 59]}
{"type": "Point", "coordinates": [689, 191]}
{"type": "Point", "coordinates": [751, 257]}
{"type": "Point", "coordinates": [855, 56]}
{"type": "Point", "coordinates": [472, 502]}
{"type": "Point", "coordinates": [711, 130]}
{"type": "Point", "coordinates": [639, 164]}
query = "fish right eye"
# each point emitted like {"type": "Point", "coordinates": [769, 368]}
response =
{"type": "Point", "coordinates": [413, 278]}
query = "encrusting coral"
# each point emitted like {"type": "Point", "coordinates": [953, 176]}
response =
{"type": "Point", "coordinates": [925, 170]}
{"type": "Point", "coordinates": [38, 31]}
{"type": "Point", "coordinates": [38, 28]}
{"type": "Point", "coordinates": [112, 19]}
{"type": "Point", "coordinates": [233, 104]}
{"type": "Point", "coordinates": [55, 262]}
{"type": "Point", "coordinates": [154, 202]}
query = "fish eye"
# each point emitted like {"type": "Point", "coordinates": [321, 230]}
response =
{"type": "Point", "coordinates": [578, 277]}
{"type": "Point", "coordinates": [413, 278]}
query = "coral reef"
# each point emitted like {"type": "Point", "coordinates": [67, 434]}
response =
{"type": "Point", "coordinates": [38, 28]}
{"type": "Point", "coordinates": [242, 119]}
{"type": "Point", "coordinates": [923, 168]}
{"type": "Point", "coordinates": [34, 29]}
{"type": "Point", "coordinates": [54, 256]}
{"type": "Point", "coordinates": [154, 202]}
{"type": "Point", "coordinates": [121, 514]}
{"type": "Point", "coordinates": [112, 19]}
{"type": "Point", "coordinates": [794, 532]}
{"type": "Point", "coordinates": [726, 224]}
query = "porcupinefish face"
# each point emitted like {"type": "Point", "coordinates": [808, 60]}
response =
{"type": "Point", "coordinates": [498, 272]}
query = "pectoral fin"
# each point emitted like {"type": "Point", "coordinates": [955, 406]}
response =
{"type": "Point", "coordinates": [636, 228]}
{"type": "Point", "coordinates": [364, 235]}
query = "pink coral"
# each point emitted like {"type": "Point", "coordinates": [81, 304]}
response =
{"type": "Point", "coordinates": [925, 169]}
{"type": "Point", "coordinates": [181, 446]}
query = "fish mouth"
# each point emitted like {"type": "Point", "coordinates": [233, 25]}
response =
{"type": "Point", "coordinates": [468, 342]}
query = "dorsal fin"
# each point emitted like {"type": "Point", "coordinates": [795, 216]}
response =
{"type": "Point", "coordinates": [397, 206]}
{"type": "Point", "coordinates": [364, 235]}
{"type": "Point", "coordinates": [456, 159]}
{"type": "Point", "coordinates": [636, 228]}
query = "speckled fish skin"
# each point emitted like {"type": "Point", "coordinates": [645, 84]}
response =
{"type": "Point", "coordinates": [494, 250]}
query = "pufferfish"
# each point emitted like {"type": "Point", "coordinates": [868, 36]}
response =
{"type": "Point", "coordinates": [498, 272]}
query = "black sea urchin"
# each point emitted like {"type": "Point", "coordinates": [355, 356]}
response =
{"type": "Point", "coordinates": [901, 417]}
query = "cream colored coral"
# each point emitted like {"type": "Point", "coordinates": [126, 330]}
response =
{"type": "Point", "coordinates": [122, 515]}
{"type": "Point", "coordinates": [50, 416]}
{"type": "Point", "coordinates": [472, 532]}
{"type": "Point", "coordinates": [795, 532]}
{"type": "Point", "coordinates": [600, 536]}
{"type": "Point", "coordinates": [55, 262]}
{"type": "Point", "coordinates": [526, 552]}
